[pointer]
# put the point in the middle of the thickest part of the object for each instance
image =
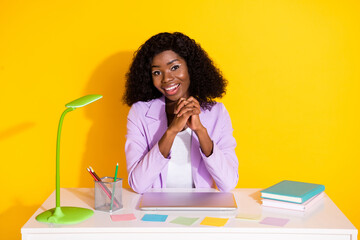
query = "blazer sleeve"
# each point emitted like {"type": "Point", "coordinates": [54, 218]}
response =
{"type": "Point", "coordinates": [223, 164]}
{"type": "Point", "coordinates": [144, 164]}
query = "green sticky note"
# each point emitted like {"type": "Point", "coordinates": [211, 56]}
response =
{"type": "Point", "coordinates": [184, 220]}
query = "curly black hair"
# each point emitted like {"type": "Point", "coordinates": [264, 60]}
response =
{"type": "Point", "coordinates": [206, 80]}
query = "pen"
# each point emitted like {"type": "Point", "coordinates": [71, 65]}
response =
{"type": "Point", "coordinates": [104, 188]}
{"type": "Point", "coordinates": [113, 192]}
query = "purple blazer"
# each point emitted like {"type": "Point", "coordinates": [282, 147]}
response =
{"type": "Point", "coordinates": [147, 167]}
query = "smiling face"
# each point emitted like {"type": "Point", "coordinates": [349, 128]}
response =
{"type": "Point", "coordinates": [170, 75]}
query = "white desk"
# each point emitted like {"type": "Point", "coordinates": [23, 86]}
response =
{"type": "Point", "coordinates": [324, 221]}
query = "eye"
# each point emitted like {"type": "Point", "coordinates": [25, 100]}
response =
{"type": "Point", "coordinates": [173, 68]}
{"type": "Point", "coordinates": [156, 73]}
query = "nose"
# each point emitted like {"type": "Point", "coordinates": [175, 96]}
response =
{"type": "Point", "coordinates": [168, 76]}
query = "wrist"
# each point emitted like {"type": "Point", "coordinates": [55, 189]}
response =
{"type": "Point", "coordinates": [206, 144]}
{"type": "Point", "coordinates": [170, 133]}
{"type": "Point", "coordinates": [166, 142]}
{"type": "Point", "coordinates": [200, 131]}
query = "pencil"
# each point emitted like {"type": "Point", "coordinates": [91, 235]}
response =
{"type": "Point", "coordinates": [96, 176]}
{"type": "Point", "coordinates": [92, 174]}
{"type": "Point", "coordinates": [116, 171]}
{"type": "Point", "coordinates": [113, 192]}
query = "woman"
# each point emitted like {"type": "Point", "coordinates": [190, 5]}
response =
{"type": "Point", "coordinates": [177, 135]}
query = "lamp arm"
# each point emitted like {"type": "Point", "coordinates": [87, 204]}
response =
{"type": "Point", "coordinates": [66, 215]}
{"type": "Point", "coordinates": [58, 156]}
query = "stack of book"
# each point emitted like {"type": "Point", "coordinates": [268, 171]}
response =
{"type": "Point", "coordinates": [292, 195]}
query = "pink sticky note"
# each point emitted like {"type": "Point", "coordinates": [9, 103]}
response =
{"type": "Point", "coordinates": [280, 222]}
{"type": "Point", "coordinates": [123, 217]}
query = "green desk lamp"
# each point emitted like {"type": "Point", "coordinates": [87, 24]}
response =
{"type": "Point", "coordinates": [67, 215]}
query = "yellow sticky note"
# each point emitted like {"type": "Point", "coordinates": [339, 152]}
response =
{"type": "Point", "coordinates": [211, 221]}
{"type": "Point", "coordinates": [248, 216]}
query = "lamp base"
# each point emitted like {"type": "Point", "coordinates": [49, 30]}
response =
{"type": "Point", "coordinates": [65, 215]}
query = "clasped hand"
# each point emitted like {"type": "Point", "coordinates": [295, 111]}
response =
{"type": "Point", "coordinates": [186, 114]}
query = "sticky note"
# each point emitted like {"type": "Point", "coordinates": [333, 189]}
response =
{"type": "Point", "coordinates": [154, 218]}
{"type": "Point", "coordinates": [280, 222]}
{"type": "Point", "coordinates": [123, 217]}
{"type": "Point", "coordinates": [212, 221]}
{"type": "Point", "coordinates": [246, 216]}
{"type": "Point", "coordinates": [184, 221]}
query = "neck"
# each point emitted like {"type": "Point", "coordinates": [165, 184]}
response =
{"type": "Point", "coordinates": [169, 106]}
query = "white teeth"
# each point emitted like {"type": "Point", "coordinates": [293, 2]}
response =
{"type": "Point", "coordinates": [171, 88]}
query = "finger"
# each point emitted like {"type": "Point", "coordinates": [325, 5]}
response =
{"type": "Point", "coordinates": [180, 104]}
{"type": "Point", "coordinates": [178, 124]}
{"type": "Point", "coordinates": [193, 106]}
{"type": "Point", "coordinates": [193, 111]}
{"type": "Point", "coordinates": [188, 114]}
{"type": "Point", "coordinates": [184, 110]}
{"type": "Point", "coordinates": [194, 101]}
{"type": "Point", "coordinates": [196, 111]}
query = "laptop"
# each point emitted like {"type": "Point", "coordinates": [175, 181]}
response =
{"type": "Point", "coordinates": [185, 201]}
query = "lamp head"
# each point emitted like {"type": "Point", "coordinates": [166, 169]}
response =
{"type": "Point", "coordinates": [83, 101]}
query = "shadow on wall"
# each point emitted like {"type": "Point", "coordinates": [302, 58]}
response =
{"type": "Point", "coordinates": [12, 220]}
{"type": "Point", "coordinates": [106, 138]}
{"type": "Point", "coordinates": [14, 130]}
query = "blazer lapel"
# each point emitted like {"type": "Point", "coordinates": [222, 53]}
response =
{"type": "Point", "coordinates": [157, 124]}
{"type": "Point", "coordinates": [156, 120]}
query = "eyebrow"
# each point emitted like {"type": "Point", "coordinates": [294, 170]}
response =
{"type": "Point", "coordinates": [172, 61]}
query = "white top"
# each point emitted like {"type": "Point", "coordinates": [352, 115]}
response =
{"type": "Point", "coordinates": [179, 168]}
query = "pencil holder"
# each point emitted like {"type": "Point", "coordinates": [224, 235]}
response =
{"type": "Point", "coordinates": [108, 194]}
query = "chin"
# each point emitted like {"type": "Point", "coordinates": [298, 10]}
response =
{"type": "Point", "coordinates": [172, 98]}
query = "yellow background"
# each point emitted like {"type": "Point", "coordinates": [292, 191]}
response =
{"type": "Point", "coordinates": [293, 94]}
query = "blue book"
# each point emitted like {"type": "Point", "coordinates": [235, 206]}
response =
{"type": "Point", "coordinates": [292, 191]}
